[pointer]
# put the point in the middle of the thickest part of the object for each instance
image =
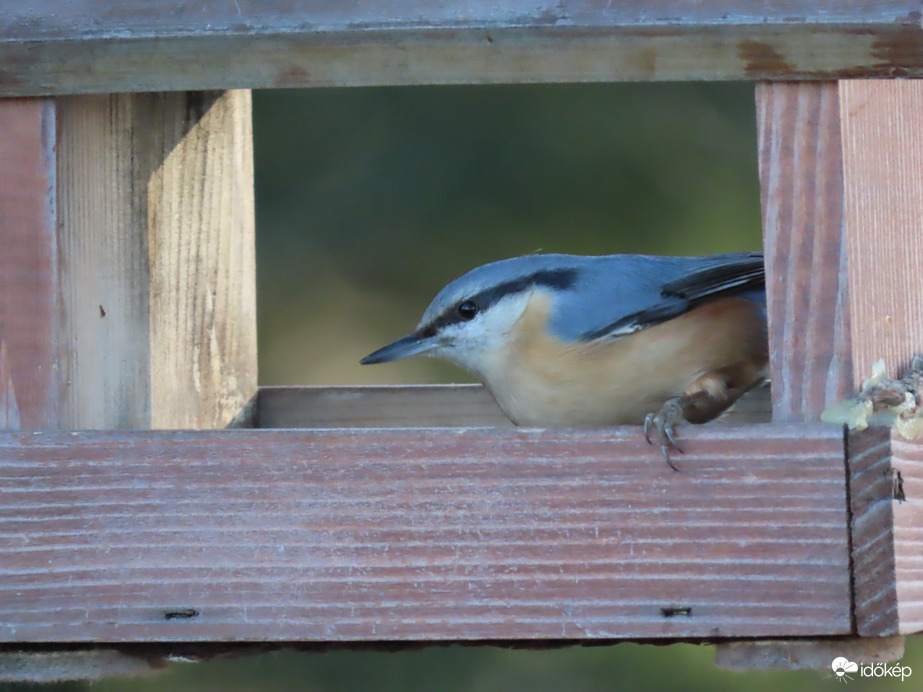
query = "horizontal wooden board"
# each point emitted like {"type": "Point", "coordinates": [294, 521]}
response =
{"type": "Point", "coordinates": [48, 47]}
{"type": "Point", "coordinates": [425, 534]}
{"type": "Point", "coordinates": [412, 406]}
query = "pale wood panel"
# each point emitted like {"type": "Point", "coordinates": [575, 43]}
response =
{"type": "Point", "coordinates": [422, 534]}
{"type": "Point", "coordinates": [454, 405]}
{"type": "Point", "coordinates": [28, 264]}
{"type": "Point", "coordinates": [802, 202]}
{"type": "Point", "coordinates": [882, 135]}
{"type": "Point", "coordinates": [203, 259]}
{"type": "Point", "coordinates": [157, 230]}
{"type": "Point", "coordinates": [92, 45]}
{"type": "Point", "coordinates": [104, 343]}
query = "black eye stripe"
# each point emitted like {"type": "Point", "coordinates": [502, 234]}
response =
{"type": "Point", "coordinates": [553, 278]}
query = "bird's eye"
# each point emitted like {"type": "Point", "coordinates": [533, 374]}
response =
{"type": "Point", "coordinates": [467, 310]}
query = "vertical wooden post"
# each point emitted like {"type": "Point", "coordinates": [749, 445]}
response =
{"type": "Point", "coordinates": [28, 265]}
{"type": "Point", "coordinates": [840, 165]}
{"type": "Point", "coordinates": [127, 271]}
{"type": "Point", "coordinates": [801, 179]}
{"type": "Point", "coordinates": [882, 135]}
{"type": "Point", "coordinates": [844, 247]}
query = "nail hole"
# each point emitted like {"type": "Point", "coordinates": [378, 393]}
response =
{"type": "Point", "coordinates": [673, 611]}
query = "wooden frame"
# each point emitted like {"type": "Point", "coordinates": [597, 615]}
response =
{"type": "Point", "coordinates": [127, 227]}
{"type": "Point", "coordinates": [90, 46]}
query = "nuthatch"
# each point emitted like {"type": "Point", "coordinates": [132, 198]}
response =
{"type": "Point", "coordinates": [582, 341]}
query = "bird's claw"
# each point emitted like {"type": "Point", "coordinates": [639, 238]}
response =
{"type": "Point", "coordinates": [664, 423]}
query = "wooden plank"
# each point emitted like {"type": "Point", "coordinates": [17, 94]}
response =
{"type": "Point", "coordinates": [415, 406]}
{"type": "Point", "coordinates": [203, 258]}
{"type": "Point", "coordinates": [104, 355]}
{"type": "Point", "coordinates": [802, 194]}
{"type": "Point", "coordinates": [883, 160]}
{"type": "Point", "coordinates": [799, 654]}
{"type": "Point", "coordinates": [156, 209]}
{"type": "Point", "coordinates": [91, 45]}
{"type": "Point", "coordinates": [426, 534]}
{"type": "Point", "coordinates": [887, 506]}
{"type": "Point", "coordinates": [28, 263]}
{"type": "Point", "coordinates": [871, 506]}
{"type": "Point", "coordinates": [412, 406]}
{"type": "Point", "coordinates": [882, 135]}
{"type": "Point", "coordinates": [801, 184]}
{"type": "Point", "coordinates": [907, 510]}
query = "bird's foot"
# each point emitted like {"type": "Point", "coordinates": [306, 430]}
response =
{"type": "Point", "coordinates": [663, 422]}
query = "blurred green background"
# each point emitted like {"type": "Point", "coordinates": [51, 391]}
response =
{"type": "Point", "coordinates": [370, 200]}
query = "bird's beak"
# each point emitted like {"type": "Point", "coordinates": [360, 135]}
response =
{"type": "Point", "coordinates": [410, 345]}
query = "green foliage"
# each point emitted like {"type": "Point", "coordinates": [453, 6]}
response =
{"type": "Point", "coordinates": [370, 200]}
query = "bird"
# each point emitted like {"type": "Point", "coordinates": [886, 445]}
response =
{"type": "Point", "coordinates": [592, 341]}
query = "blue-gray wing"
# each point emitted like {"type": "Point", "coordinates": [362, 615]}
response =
{"type": "Point", "coordinates": [620, 294]}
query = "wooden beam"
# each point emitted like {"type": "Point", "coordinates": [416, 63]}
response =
{"type": "Point", "coordinates": [882, 135]}
{"type": "Point", "coordinates": [810, 331]}
{"type": "Point", "coordinates": [93, 46]}
{"type": "Point", "coordinates": [801, 180]}
{"type": "Point", "coordinates": [416, 406]}
{"type": "Point", "coordinates": [424, 534]}
{"type": "Point", "coordinates": [28, 265]}
{"type": "Point", "coordinates": [157, 279]}
{"type": "Point", "coordinates": [883, 164]}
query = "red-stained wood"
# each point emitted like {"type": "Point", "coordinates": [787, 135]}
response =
{"type": "Point", "coordinates": [28, 264]}
{"type": "Point", "coordinates": [887, 506]}
{"type": "Point", "coordinates": [871, 502]}
{"type": "Point", "coordinates": [802, 201]}
{"type": "Point", "coordinates": [421, 534]}
{"type": "Point", "coordinates": [883, 165]}
{"type": "Point", "coordinates": [907, 510]}
{"type": "Point", "coordinates": [882, 135]}
{"type": "Point", "coordinates": [840, 170]}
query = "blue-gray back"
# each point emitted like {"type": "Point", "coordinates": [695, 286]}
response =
{"type": "Point", "coordinates": [611, 295]}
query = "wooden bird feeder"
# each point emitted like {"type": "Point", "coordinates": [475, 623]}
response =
{"type": "Point", "coordinates": [153, 498]}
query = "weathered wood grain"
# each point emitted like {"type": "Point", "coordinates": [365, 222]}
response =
{"type": "Point", "coordinates": [426, 534]}
{"type": "Point", "coordinates": [203, 258]}
{"type": "Point", "coordinates": [47, 47]}
{"type": "Point", "coordinates": [882, 135]}
{"type": "Point", "coordinates": [104, 356]}
{"type": "Point", "coordinates": [887, 506]}
{"type": "Point", "coordinates": [871, 503]}
{"type": "Point", "coordinates": [28, 263]}
{"type": "Point", "coordinates": [415, 406]}
{"type": "Point", "coordinates": [801, 183]}
{"type": "Point", "coordinates": [907, 509]}
{"type": "Point", "coordinates": [883, 164]}
{"type": "Point", "coordinates": [157, 280]}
